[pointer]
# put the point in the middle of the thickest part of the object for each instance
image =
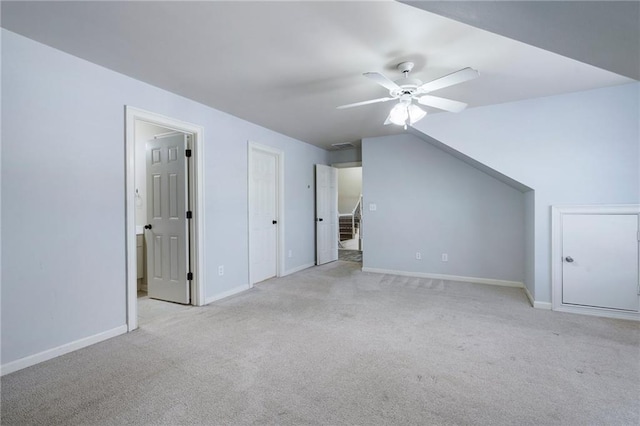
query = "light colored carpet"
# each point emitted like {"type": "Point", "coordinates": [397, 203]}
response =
{"type": "Point", "coordinates": [335, 345]}
{"type": "Point", "coordinates": [152, 310]}
{"type": "Point", "coordinates": [350, 255]}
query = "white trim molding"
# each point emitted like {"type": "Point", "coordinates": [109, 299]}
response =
{"type": "Point", "coordinates": [489, 281]}
{"type": "Point", "coordinates": [556, 257]}
{"type": "Point", "coordinates": [253, 146]}
{"type": "Point", "coordinates": [197, 195]}
{"type": "Point", "coordinates": [43, 356]}
{"type": "Point", "coordinates": [228, 293]}
{"type": "Point", "coordinates": [529, 296]}
{"type": "Point", "coordinates": [542, 305]}
{"type": "Point", "coordinates": [534, 303]}
{"type": "Point", "coordinates": [298, 269]}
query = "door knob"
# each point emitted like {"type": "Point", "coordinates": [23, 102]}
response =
{"type": "Point", "coordinates": [148, 226]}
{"type": "Point", "coordinates": [569, 259]}
{"type": "Point", "coordinates": [319, 219]}
{"type": "Point", "coordinates": [274, 221]}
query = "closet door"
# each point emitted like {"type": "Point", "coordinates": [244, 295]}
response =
{"type": "Point", "coordinates": [600, 260]}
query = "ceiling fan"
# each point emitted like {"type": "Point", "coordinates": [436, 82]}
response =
{"type": "Point", "coordinates": [406, 90]}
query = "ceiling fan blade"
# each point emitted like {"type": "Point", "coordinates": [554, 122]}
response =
{"type": "Point", "coordinates": [373, 101]}
{"type": "Point", "coordinates": [442, 103]}
{"type": "Point", "coordinates": [382, 80]}
{"type": "Point", "coordinates": [456, 77]}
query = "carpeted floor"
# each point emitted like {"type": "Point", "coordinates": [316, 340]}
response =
{"type": "Point", "coordinates": [350, 255]}
{"type": "Point", "coordinates": [335, 345]}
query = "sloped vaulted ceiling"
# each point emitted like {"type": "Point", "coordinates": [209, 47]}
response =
{"type": "Point", "coordinates": [287, 65]}
{"type": "Point", "coordinates": [605, 34]}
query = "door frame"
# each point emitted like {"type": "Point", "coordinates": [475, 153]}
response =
{"type": "Point", "coordinates": [196, 194]}
{"type": "Point", "coordinates": [556, 257]}
{"type": "Point", "coordinates": [349, 165]}
{"type": "Point", "coordinates": [251, 147]}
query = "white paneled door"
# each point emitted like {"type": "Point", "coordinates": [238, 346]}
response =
{"type": "Point", "coordinates": [166, 230]}
{"type": "Point", "coordinates": [600, 260]}
{"type": "Point", "coordinates": [326, 214]}
{"type": "Point", "coordinates": [263, 214]}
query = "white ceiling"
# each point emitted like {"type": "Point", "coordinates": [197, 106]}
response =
{"type": "Point", "coordinates": [601, 33]}
{"type": "Point", "coordinates": [287, 65]}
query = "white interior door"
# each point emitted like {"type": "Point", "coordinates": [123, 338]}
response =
{"type": "Point", "coordinates": [600, 260]}
{"type": "Point", "coordinates": [326, 214]}
{"type": "Point", "coordinates": [167, 244]}
{"type": "Point", "coordinates": [263, 215]}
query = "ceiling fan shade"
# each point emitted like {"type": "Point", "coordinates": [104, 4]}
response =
{"type": "Point", "coordinates": [415, 113]}
{"type": "Point", "coordinates": [404, 111]}
{"type": "Point", "coordinates": [398, 114]}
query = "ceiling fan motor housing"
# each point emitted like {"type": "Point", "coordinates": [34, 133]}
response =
{"type": "Point", "coordinates": [408, 86]}
{"type": "Point", "coordinates": [405, 67]}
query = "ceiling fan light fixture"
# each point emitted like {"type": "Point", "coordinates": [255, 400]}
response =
{"type": "Point", "coordinates": [415, 113]}
{"type": "Point", "coordinates": [404, 111]}
{"type": "Point", "coordinates": [406, 90]}
{"type": "Point", "coordinates": [399, 114]}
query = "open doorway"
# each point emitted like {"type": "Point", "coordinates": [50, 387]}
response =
{"type": "Point", "coordinates": [163, 215]}
{"type": "Point", "coordinates": [350, 213]}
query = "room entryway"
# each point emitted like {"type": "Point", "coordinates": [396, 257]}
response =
{"type": "Point", "coordinates": [164, 213]}
{"type": "Point", "coordinates": [350, 213]}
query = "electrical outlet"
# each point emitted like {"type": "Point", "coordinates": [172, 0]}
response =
{"type": "Point", "coordinates": [373, 207]}
{"type": "Point", "coordinates": [445, 257]}
{"type": "Point", "coordinates": [290, 253]}
{"type": "Point", "coordinates": [418, 255]}
{"type": "Point", "coordinates": [221, 270]}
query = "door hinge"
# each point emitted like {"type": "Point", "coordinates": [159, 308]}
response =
{"type": "Point", "coordinates": [187, 153]}
{"type": "Point", "coordinates": [189, 214]}
{"type": "Point", "coordinates": [189, 276]}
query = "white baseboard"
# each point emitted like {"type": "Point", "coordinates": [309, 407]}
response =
{"type": "Point", "coordinates": [529, 296]}
{"type": "Point", "coordinates": [227, 293]}
{"type": "Point", "coordinates": [474, 280]}
{"type": "Point", "coordinates": [298, 269]}
{"type": "Point", "coordinates": [542, 305]}
{"type": "Point", "coordinates": [30, 360]}
{"type": "Point", "coordinates": [599, 312]}
{"type": "Point", "coordinates": [245, 287]}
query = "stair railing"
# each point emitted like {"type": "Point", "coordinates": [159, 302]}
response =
{"type": "Point", "coordinates": [356, 212]}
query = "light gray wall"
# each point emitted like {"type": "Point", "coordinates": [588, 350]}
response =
{"type": "Point", "coordinates": [63, 182]}
{"type": "Point", "coordinates": [431, 202]}
{"type": "Point", "coordinates": [349, 188]}
{"type": "Point", "coordinates": [579, 148]}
